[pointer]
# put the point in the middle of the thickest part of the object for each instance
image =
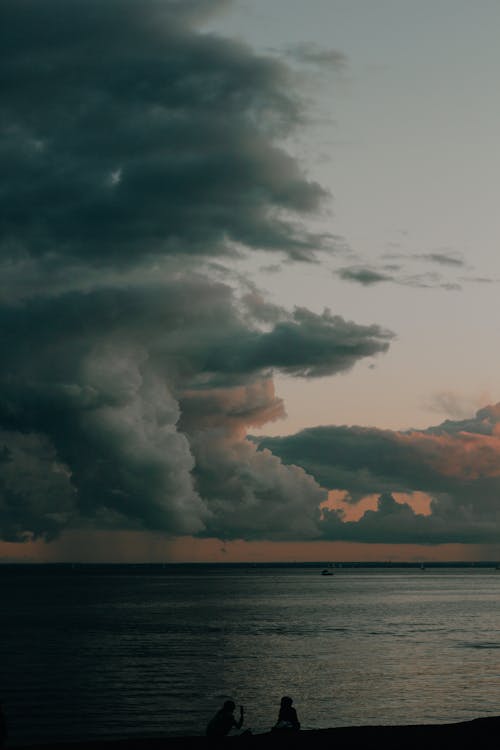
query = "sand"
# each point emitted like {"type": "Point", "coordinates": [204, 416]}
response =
{"type": "Point", "coordinates": [475, 735]}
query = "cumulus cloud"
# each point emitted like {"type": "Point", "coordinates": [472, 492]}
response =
{"type": "Point", "coordinates": [144, 396]}
{"type": "Point", "coordinates": [36, 494]}
{"type": "Point", "coordinates": [138, 152]}
{"type": "Point", "coordinates": [305, 344]}
{"type": "Point", "coordinates": [457, 463]}
{"type": "Point", "coordinates": [252, 493]}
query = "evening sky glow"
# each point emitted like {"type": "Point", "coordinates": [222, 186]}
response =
{"type": "Point", "coordinates": [250, 266]}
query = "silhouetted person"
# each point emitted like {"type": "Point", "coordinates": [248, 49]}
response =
{"type": "Point", "coordinates": [223, 721]}
{"type": "Point", "coordinates": [287, 717]}
{"type": "Point", "coordinates": [3, 728]}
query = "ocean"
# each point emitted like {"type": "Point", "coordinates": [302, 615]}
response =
{"type": "Point", "coordinates": [120, 651]}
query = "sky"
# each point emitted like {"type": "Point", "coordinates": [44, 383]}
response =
{"type": "Point", "coordinates": [250, 279]}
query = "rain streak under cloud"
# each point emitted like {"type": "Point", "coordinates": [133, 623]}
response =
{"type": "Point", "coordinates": [140, 155]}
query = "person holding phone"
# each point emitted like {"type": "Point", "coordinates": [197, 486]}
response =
{"type": "Point", "coordinates": [221, 724]}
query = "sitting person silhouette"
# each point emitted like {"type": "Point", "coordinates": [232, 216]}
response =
{"type": "Point", "coordinates": [287, 717]}
{"type": "Point", "coordinates": [223, 721]}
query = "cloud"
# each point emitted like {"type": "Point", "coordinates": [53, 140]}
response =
{"type": "Point", "coordinates": [314, 54]}
{"type": "Point", "coordinates": [389, 522]}
{"type": "Point", "coordinates": [443, 259]}
{"type": "Point", "coordinates": [138, 153]}
{"type": "Point", "coordinates": [36, 494]}
{"type": "Point", "coordinates": [455, 405]}
{"type": "Point", "coordinates": [405, 271]}
{"type": "Point", "coordinates": [370, 276]}
{"type": "Point", "coordinates": [128, 134]}
{"type": "Point", "coordinates": [479, 279]}
{"type": "Point", "coordinates": [302, 344]}
{"type": "Point", "coordinates": [252, 494]}
{"type": "Point", "coordinates": [144, 393]}
{"type": "Point", "coordinates": [457, 463]}
{"type": "Point", "coordinates": [363, 276]}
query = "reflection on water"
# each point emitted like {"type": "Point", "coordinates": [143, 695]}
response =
{"type": "Point", "coordinates": [109, 655]}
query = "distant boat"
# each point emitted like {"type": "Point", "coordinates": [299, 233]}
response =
{"type": "Point", "coordinates": [326, 572]}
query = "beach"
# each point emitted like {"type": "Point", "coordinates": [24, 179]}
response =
{"type": "Point", "coordinates": [458, 734]}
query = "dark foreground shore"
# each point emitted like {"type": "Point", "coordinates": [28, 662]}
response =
{"type": "Point", "coordinates": [470, 734]}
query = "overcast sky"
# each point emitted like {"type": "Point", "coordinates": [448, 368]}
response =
{"type": "Point", "coordinates": [249, 280]}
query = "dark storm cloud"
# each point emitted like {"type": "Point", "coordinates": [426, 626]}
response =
{"type": "Point", "coordinates": [136, 152]}
{"type": "Point", "coordinates": [456, 463]}
{"type": "Point", "coordinates": [392, 521]}
{"type": "Point", "coordinates": [252, 494]}
{"type": "Point", "coordinates": [128, 134]}
{"type": "Point", "coordinates": [36, 495]}
{"type": "Point", "coordinates": [313, 345]}
{"type": "Point", "coordinates": [396, 522]}
{"type": "Point", "coordinates": [132, 389]}
{"type": "Point", "coordinates": [302, 344]}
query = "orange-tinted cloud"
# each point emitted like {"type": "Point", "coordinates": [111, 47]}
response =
{"type": "Point", "coordinates": [434, 486]}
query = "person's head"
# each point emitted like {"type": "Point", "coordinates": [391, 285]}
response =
{"type": "Point", "coordinates": [229, 706]}
{"type": "Point", "coordinates": [286, 701]}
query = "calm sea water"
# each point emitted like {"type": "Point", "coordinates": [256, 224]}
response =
{"type": "Point", "coordinates": [107, 655]}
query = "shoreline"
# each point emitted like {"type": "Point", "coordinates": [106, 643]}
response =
{"type": "Point", "coordinates": [461, 734]}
